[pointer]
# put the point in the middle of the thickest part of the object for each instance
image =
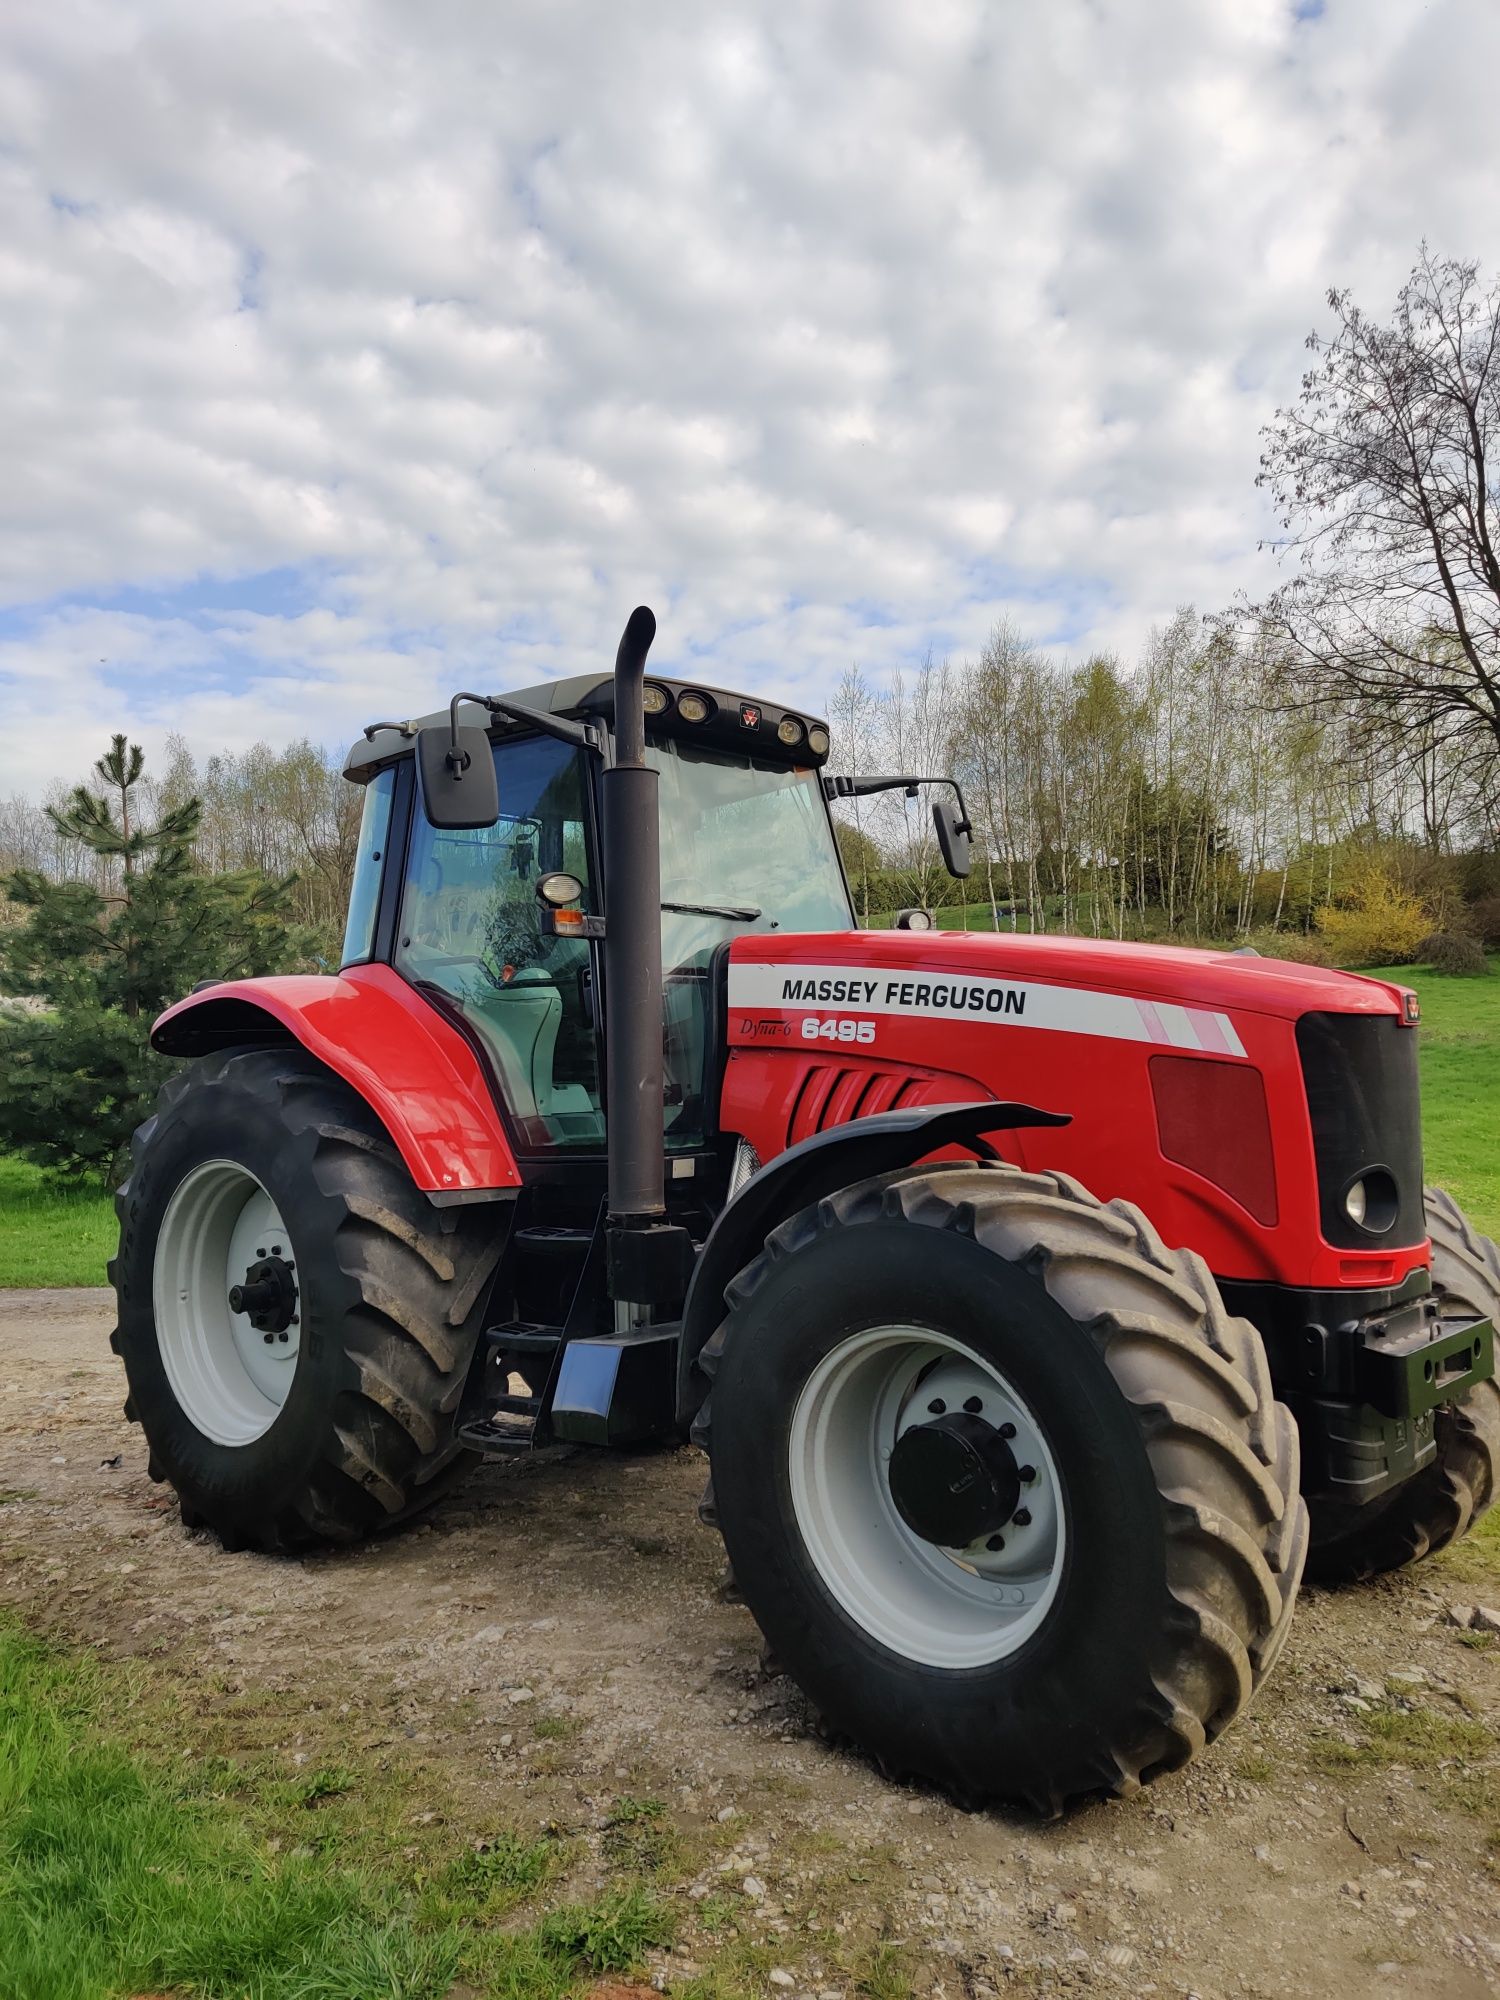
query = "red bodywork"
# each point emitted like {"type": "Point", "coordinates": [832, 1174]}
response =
{"type": "Point", "coordinates": [1179, 1069]}
{"type": "Point", "coordinates": [417, 1073]}
{"type": "Point", "coordinates": [827, 1028]}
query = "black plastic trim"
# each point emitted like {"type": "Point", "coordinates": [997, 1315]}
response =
{"type": "Point", "coordinates": [1364, 1103]}
{"type": "Point", "coordinates": [393, 881]}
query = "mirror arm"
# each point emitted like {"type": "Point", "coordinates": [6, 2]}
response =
{"type": "Point", "coordinates": [839, 787]}
{"type": "Point", "coordinates": [458, 760]}
{"type": "Point", "coordinates": [583, 735]}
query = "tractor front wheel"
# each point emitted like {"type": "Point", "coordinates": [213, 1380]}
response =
{"type": "Point", "coordinates": [1444, 1500]}
{"type": "Point", "coordinates": [296, 1319]}
{"type": "Point", "coordinates": [1003, 1482]}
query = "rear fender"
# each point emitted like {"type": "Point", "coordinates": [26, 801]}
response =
{"type": "Point", "coordinates": [413, 1068]}
{"type": "Point", "coordinates": [805, 1173]}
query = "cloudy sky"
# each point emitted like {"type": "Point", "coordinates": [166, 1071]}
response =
{"type": "Point", "coordinates": [355, 350]}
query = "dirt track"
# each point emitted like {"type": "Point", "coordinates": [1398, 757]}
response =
{"type": "Point", "coordinates": [579, 1590]}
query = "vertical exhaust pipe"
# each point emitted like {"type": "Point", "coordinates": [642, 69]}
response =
{"type": "Point", "coordinates": [632, 967]}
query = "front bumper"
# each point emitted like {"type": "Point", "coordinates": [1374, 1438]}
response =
{"type": "Point", "coordinates": [1366, 1391]}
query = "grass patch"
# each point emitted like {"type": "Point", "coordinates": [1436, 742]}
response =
{"type": "Point", "coordinates": [639, 1837]}
{"type": "Point", "coordinates": [124, 1871]}
{"type": "Point", "coordinates": [1417, 1737]}
{"type": "Point", "coordinates": [501, 1873]}
{"type": "Point", "coordinates": [1254, 1767]}
{"type": "Point", "coordinates": [612, 1933]}
{"type": "Point", "coordinates": [49, 1237]}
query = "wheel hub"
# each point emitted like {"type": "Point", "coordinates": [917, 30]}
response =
{"type": "Point", "coordinates": [268, 1294]}
{"type": "Point", "coordinates": [954, 1479]}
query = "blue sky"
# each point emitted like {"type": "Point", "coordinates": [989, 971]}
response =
{"type": "Point", "coordinates": [349, 353]}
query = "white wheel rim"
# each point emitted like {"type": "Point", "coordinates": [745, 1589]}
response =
{"type": "Point", "coordinates": [229, 1377]}
{"type": "Point", "coordinates": [941, 1607]}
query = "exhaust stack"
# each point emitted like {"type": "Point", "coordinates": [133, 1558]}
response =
{"type": "Point", "coordinates": [633, 990]}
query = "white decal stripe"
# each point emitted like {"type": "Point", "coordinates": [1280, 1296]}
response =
{"type": "Point", "coordinates": [957, 996]}
{"type": "Point", "coordinates": [1179, 1028]}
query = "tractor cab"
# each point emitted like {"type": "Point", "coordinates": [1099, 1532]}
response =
{"type": "Point", "coordinates": [463, 913]}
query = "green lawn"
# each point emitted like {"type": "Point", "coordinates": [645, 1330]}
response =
{"type": "Point", "coordinates": [48, 1238]}
{"type": "Point", "coordinates": [65, 1239]}
{"type": "Point", "coordinates": [131, 1870]}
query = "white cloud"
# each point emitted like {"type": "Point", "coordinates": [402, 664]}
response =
{"type": "Point", "coordinates": [833, 331]}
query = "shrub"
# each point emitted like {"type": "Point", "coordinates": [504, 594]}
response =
{"type": "Point", "coordinates": [1485, 917]}
{"type": "Point", "coordinates": [1448, 951]}
{"type": "Point", "coordinates": [1293, 946]}
{"type": "Point", "coordinates": [1379, 922]}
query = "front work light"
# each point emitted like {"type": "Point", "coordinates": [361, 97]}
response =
{"type": "Point", "coordinates": [817, 740]}
{"type": "Point", "coordinates": [790, 731]}
{"type": "Point", "coordinates": [558, 890]}
{"type": "Point", "coordinates": [655, 700]}
{"type": "Point", "coordinates": [692, 707]}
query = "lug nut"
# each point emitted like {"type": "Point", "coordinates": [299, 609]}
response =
{"type": "Point", "coordinates": [275, 1249]}
{"type": "Point", "coordinates": [996, 1543]}
{"type": "Point", "coordinates": [937, 1407]}
{"type": "Point", "coordinates": [974, 1405]}
{"type": "Point", "coordinates": [283, 1336]}
{"type": "Point", "coordinates": [1026, 1474]}
{"type": "Point", "coordinates": [268, 1338]}
{"type": "Point", "coordinates": [1021, 1518]}
{"type": "Point", "coordinates": [1007, 1430]}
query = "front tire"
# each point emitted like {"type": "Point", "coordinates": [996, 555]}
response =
{"type": "Point", "coordinates": [1129, 1618]}
{"type": "Point", "coordinates": [1442, 1502]}
{"type": "Point", "coordinates": [338, 1418]}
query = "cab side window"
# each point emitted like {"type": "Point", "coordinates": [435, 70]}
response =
{"type": "Point", "coordinates": [470, 931]}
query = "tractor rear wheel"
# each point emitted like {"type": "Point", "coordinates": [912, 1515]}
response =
{"type": "Point", "coordinates": [296, 1318]}
{"type": "Point", "coordinates": [1444, 1500]}
{"type": "Point", "coordinates": [1003, 1482]}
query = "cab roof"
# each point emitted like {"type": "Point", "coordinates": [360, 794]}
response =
{"type": "Point", "coordinates": [582, 695]}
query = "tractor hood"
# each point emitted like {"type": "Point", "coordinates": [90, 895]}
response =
{"type": "Point", "coordinates": [965, 974]}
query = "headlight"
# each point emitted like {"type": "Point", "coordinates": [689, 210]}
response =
{"type": "Point", "coordinates": [817, 740]}
{"type": "Point", "coordinates": [790, 731]}
{"type": "Point", "coordinates": [692, 707]}
{"type": "Point", "coordinates": [655, 700]}
{"type": "Point", "coordinates": [1373, 1202]}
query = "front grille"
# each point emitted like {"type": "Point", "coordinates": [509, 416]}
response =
{"type": "Point", "coordinates": [1360, 1074]}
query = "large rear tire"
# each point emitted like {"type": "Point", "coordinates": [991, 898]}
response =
{"type": "Point", "coordinates": [332, 1414]}
{"type": "Point", "coordinates": [1144, 1581]}
{"type": "Point", "coordinates": [1444, 1500]}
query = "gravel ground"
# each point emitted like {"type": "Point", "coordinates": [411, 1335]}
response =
{"type": "Point", "coordinates": [552, 1635]}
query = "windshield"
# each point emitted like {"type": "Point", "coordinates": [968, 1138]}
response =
{"type": "Point", "coordinates": [748, 843]}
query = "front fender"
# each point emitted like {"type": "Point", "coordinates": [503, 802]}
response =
{"type": "Point", "coordinates": [415, 1071]}
{"type": "Point", "coordinates": [804, 1174]}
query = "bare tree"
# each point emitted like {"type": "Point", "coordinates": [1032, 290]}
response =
{"type": "Point", "coordinates": [1384, 475]}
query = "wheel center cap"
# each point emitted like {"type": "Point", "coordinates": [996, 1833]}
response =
{"type": "Point", "coordinates": [268, 1294]}
{"type": "Point", "coordinates": [954, 1479]}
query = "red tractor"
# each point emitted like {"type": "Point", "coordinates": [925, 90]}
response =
{"type": "Point", "coordinates": [1018, 1493]}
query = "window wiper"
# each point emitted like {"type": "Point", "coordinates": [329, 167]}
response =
{"type": "Point", "coordinates": [734, 912]}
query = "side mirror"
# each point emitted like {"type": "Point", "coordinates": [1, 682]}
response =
{"type": "Point", "coordinates": [953, 838]}
{"type": "Point", "coordinates": [456, 778]}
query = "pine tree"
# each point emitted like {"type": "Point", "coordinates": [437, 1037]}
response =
{"type": "Point", "coordinates": [80, 1076]}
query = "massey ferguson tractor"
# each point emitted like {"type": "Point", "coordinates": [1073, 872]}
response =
{"type": "Point", "coordinates": [1041, 1304]}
